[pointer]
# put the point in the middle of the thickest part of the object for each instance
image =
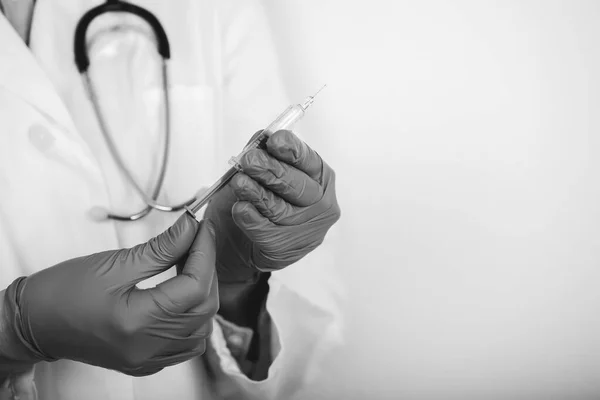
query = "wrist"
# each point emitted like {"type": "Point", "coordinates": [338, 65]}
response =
{"type": "Point", "coordinates": [16, 354]}
{"type": "Point", "coordinates": [240, 303]}
{"type": "Point", "coordinates": [16, 358]}
{"type": "Point", "coordinates": [238, 274]}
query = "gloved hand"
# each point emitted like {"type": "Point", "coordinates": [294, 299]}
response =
{"type": "Point", "coordinates": [88, 309]}
{"type": "Point", "coordinates": [274, 213]}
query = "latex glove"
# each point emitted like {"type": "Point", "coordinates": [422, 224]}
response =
{"type": "Point", "coordinates": [274, 213]}
{"type": "Point", "coordinates": [88, 309]}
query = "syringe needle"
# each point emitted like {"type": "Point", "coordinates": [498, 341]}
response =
{"type": "Point", "coordinates": [318, 91]}
{"type": "Point", "coordinates": [309, 100]}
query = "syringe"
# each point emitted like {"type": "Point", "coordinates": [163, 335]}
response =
{"type": "Point", "coordinates": [285, 120]}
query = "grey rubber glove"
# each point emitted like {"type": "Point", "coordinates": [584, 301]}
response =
{"type": "Point", "coordinates": [88, 309]}
{"type": "Point", "coordinates": [274, 213]}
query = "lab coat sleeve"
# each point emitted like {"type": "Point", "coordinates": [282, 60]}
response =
{"type": "Point", "coordinates": [303, 299]}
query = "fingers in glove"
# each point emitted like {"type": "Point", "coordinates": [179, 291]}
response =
{"type": "Point", "coordinates": [254, 225]}
{"type": "Point", "coordinates": [287, 147]}
{"type": "Point", "coordinates": [160, 362]}
{"type": "Point", "coordinates": [286, 181]}
{"type": "Point", "coordinates": [265, 201]}
{"type": "Point", "coordinates": [194, 286]}
{"type": "Point", "coordinates": [159, 253]}
{"type": "Point", "coordinates": [178, 344]}
{"type": "Point", "coordinates": [155, 308]}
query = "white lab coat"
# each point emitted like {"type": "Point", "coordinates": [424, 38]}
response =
{"type": "Point", "coordinates": [55, 167]}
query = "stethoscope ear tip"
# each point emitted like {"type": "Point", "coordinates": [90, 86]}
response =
{"type": "Point", "coordinates": [98, 214]}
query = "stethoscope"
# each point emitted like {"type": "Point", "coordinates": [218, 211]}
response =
{"type": "Point", "coordinates": [82, 61]}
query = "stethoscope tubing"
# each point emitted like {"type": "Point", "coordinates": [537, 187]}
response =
{"type": "Point", "coordinates": [82, 61]}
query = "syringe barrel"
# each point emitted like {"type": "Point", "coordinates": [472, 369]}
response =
{"type": "Point", "coordinates": [285, 120]}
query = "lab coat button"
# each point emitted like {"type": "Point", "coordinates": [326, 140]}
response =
{"type": "Point", "coordinates": [41, 137]}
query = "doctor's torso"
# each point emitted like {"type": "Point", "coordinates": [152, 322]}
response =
{"type": "Point", "coordinates": [56, 165]}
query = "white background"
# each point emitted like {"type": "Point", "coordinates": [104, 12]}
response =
{"type": "Point", "coordinates": [465, 136]}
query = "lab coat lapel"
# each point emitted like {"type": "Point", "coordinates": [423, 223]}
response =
{"type": "Point", "coordinates": [22, 76]}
